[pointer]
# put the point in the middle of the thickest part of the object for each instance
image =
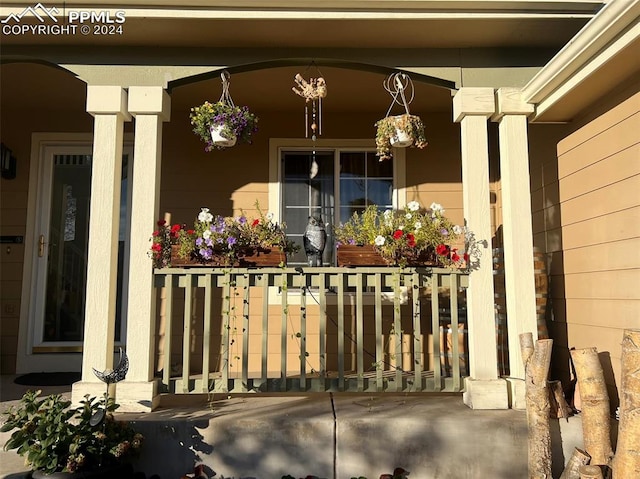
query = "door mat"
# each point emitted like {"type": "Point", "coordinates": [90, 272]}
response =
{"type": "Point", "coordinates": [48, 379]}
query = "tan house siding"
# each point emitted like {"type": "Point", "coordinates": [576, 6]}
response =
{"type": "Point", "coordinates": [592, 235]}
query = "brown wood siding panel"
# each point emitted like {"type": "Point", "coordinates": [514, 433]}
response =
{"type": "Point", "coordinates": [619, 255]}
{"type": "Point", "coordinates": [616, 197]}
{"type": "Point", "coordinates": [603, 145]}
{"type": "Point", "coordinates": [623, 314]}
{"type": "Point", "coordinates": [613, 227]}
{"type": "Point", "coordinates": [615, 115]}
{"type": "Point", "coordinates": [610, 170]}
{"type": "Point", "coordinates": [621, 285]}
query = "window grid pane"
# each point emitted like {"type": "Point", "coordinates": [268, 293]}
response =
{"type": "Point", "coordinates": [311, 189]}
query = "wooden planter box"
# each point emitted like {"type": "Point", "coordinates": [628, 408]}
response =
{"type": "Point", "coordinates": [368, 255]}
{"type": "Point", "coordinates": [249, 258]}
{"type": "Point", "coordinates": [359, 255]}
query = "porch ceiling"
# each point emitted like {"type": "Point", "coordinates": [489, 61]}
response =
{"type": "Point", "coordinates": [408, 31]}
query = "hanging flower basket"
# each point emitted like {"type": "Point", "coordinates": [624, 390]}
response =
{"type": "Point", "coordinates": [399, 131]}
{"type": "Point", "coordinates": [219, 139]}
{"type": "Point", "coordinates": [222, 124]}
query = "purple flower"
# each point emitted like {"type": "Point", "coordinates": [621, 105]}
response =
{"type": "Point", "coordinates": [199, 242]}
{"type": "Point", "coordinates": [444, 232]}
{"type": "Point", "coordinates": [231, 240]}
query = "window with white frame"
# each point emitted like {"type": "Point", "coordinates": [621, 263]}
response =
{"type": "Point", "coordinates": [332, 183]}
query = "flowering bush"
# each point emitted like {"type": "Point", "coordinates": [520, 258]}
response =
{"type": "Point", "coordinates": [220, 238]}
{"type": "Point", "coordinates": [405, 236]}
{"type": "Point", "coordinates": [56, 438]}
{"type": "Point", "coordinates": [238, 121]}
{"type": "Point", "coordinates": [161, 241]}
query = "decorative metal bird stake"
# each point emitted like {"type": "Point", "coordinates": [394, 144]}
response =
{"type": "Point", "coordinates": [110, 376]}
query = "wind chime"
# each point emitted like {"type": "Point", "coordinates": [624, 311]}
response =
{"type": "Point", "coordinates": [313, 91]}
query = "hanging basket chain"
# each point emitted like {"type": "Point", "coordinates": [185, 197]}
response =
{"type": "Point", "coordinates": [397, 84]}
{"type": "Point", "coordinates": [226, 96]}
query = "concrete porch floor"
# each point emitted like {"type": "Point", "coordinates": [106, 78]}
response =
{"type": "Point", "coordinates": [329, 436]}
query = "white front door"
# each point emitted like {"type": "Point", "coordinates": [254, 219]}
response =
{"type": "Point", "coordinates": [57, 303]}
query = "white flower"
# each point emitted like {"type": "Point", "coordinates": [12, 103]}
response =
{"type": "Point", "coordinates": [387, 216]}
{"type": "Point", "coordinates": [436, 208]}
{"type": "Point", "coordinates": [418, 225]}
{"type": "Point", "coordinates": [379, 240]}
{"type": "Point", "coordinates": [413, 206]}
{"type": "Point", "coordinates": [408, 216]}
{"type": "Point", "coordinates": [401, 227]}
{"type": "Point", "coordinates": [457, 229]}
{"type": "Point", "coordinates": [205, 216]}
{"type": "Point", "coordinates": [270, 216]}
{"type": "Point", "coordinates": [206, 234]}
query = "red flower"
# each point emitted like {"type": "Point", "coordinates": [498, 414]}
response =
{"type": "Point", "coordinates": [175, 228]}
{"type": "Point", "coordinates": [156, 233]}
{"type": "Point", "coordinates": [156, 246]}
{"type": "Point", "coordinates": [466, 257]}
{"type": "Point", "coordinates": [255, 223]}
{"type": "Point", "coordinates": [442, 250]}
{"type": "Point", "coordinates": [454, 255]}
{"type": "Point", "coordinates": [161, 222]}
{"type": "Point", "coordinates": [191, 232]}
{"type": "Point", "coordinates": [398, 234]}
{"type": "Point", "coordinates": [411, 240]}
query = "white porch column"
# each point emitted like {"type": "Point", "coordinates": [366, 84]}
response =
{"type": "Point", "coordinates": [471, 108]}
{"type": "Point", "coordinates": [520, 288]}
{"type": "Point", "coordinates": [108, 105]}
{"type": "Point", "coordinates": [150, 105]}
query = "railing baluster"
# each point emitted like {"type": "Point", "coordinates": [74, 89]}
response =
{"type": "Point", "coordinates": [379, 344]}
{"type": "Point", "coordinates": [283, 332]}
{"type": "Point", "coordinates": [435, 328]}
{"type": "Point", "coordinates": [360, 331]}
{"type": "Point", "coordinates": [323, 331]}
{"type": "Point", "coordinates": [455, 332]}
{"type": "Point", "coordinates": [206, 332]}
{"type": "Point", "coordinates": [303, 336]}
{"type": "Point", "coordinates": [417, 332]}
{"type": "Point", "coordinates": [397, 330]}
{"type": "Point", "coordinates": [168, 330]}
{"type": "Point", "coordinates": [340, 279]}
{"type": "Point", "coordinates": [245, 332]}
{"type": "Point", "coordinates": [226, 325]}
{"type": "Point", "coordinates": [186, 338]}
{"type": "Point", "coordinates": [265, 329]}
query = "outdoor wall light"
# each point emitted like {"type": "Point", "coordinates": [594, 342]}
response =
{"type": "Point", "coordinates": [8, 163]}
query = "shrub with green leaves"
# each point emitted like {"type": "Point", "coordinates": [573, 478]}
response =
{"type": "Point", "coordinates": [54, 437]}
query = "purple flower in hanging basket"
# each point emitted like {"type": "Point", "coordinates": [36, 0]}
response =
{"type": "Point", "coordinates": [238, 121]}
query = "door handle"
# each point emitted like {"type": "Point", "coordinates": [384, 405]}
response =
{"type": "Point", "coordinates": [41, 246]}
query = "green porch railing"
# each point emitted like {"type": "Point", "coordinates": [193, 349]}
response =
{"type": "Point", "coordinates": [239, 330]}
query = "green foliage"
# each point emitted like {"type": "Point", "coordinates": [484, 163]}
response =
{"type": "Point", "coordinates": [386, 129]}
{"type": "Point", "coordinates": [404, 236]}
{"type": "Point", "coordinates": [238, 121]}
{"type": "Point", "coordinates": [222, 237]}
{"type": "Point", "coordinates": [53, 437]}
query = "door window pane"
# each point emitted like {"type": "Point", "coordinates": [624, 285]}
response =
{"type": "Point", "coordinates": [68, 248]}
